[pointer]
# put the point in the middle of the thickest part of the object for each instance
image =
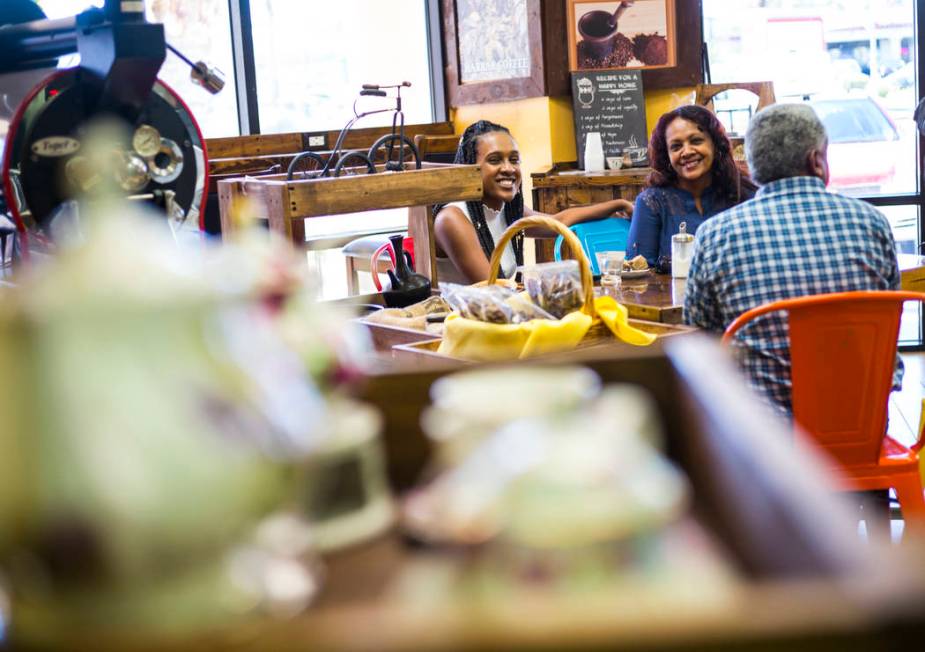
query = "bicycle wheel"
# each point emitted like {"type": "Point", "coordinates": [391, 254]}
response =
{"type": "Point", "coordinates": [391, 151]}
{"type": "Point", "coordinates": [354, 163]}
{"type": "Point", "coordinates": [309, 164]}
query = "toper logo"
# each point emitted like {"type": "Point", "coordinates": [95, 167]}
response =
{"type": "Point", "coordinates": [55, 146]}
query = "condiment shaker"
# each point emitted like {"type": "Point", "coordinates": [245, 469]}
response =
{"type": "Point", "coordinates": [682, 249]}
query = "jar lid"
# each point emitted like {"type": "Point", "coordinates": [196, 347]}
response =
{"type": "Point", "coordinates": [682, 235]}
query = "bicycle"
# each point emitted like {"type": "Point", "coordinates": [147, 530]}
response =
{"type": "Point", "coordinates": [353, 161]}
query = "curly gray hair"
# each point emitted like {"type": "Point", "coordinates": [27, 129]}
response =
{"type": "Point", "coordinates": [778, 140]}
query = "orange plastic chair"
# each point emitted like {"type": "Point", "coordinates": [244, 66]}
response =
{"type": "Point", "coordinates": [842, 352]}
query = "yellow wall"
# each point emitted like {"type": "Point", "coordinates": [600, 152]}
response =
{"type": "Point", "coordinates": [544, 128]}
{"type": "Point", "coordinates": [530, 122]}
{"type": "Point", "coordinates": [662, 101]}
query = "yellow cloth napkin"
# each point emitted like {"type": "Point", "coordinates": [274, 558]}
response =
{"type": "Point", "coordinates": [470, 339]}
{"type": "Point", "coordinates": [616, 317]}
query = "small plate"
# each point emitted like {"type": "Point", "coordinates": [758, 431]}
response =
{"type": "Point", "coordinates": [635, 273]}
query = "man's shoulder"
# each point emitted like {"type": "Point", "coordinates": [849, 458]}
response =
{"type": "Point", "coordinates": [847, 211]}
{"type": "Point", "coordinates": [735, 217]}
{"type": "Point", "coordinates": [853, 205]}
{"type": "Point", "coordinates": [796, 202]}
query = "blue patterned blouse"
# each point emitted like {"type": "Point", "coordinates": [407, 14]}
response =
{"type": "Point", "coordinates": [658, 215]}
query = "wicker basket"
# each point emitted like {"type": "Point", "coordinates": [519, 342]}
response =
{"type": "Point", "coordinates": [571, 240]}
{"type": "Point", "coordinates": [473, 340]}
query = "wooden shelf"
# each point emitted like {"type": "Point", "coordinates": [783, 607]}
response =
{"type": "Point", "coordinates": [563, 186]}
{"type": "Point", "coordinates": [430, 185]}
{"type": "Point", "coordinates": [286, 204]}
{"type": "Point", "coordinates": [565, 175]}
{"type": "Point", "coordinates": [291, 143]}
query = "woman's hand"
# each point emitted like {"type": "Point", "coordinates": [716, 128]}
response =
{"type": "Point", "coordinates": [624, 210]}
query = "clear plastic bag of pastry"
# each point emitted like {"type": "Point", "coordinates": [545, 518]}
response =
{"type": "Point", "coordinates": [555, 287]}
{"type": "Point", "coordinates": [494, 304]}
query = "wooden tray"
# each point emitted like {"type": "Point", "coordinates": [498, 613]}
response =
{"type": "Point", "coordinates": [386, 336]}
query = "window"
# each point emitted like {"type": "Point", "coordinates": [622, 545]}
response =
{"type": "Point", "coordinates": [201, 30]}
{"type": "Point", "coordinates": [65, 8]}
{"type": "Point", "coordinates": [300, 66]}
{"type": "Point", "coordinates": [854, 63]}
{"type": "Point", "coordinates": [857, 120]}
{"type": "Point", "coordinates": [312, 58]}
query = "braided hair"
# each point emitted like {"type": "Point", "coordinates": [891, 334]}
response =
{"type": "Point", "coordinates": [466, 154]}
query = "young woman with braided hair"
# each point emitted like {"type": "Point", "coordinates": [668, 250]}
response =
{"type": "Point", "coordinates": [466, 231]}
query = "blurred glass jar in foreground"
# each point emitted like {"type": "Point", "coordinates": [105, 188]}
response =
{"type": "Point", "coordinates": [151, 415]}
{"type": "Point", "coordinates": [468, 407]}
{"type": "Point", "coordinates": [562, 483]}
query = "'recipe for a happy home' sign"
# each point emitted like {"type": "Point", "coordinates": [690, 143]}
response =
{"type": "Point", "coordinates": [611, 103]}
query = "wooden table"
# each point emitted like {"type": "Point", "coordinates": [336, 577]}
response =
{"type": "Point", "coordinates": [800, 577]}
{"type": "Point", "coordinates": [912, 272]}
{"type": "Point", "coordinates": [287, 204]}
{"type": "Point", "coordinates": [659, 297]}
{"type": "Point", "coordinates": [654, 297]}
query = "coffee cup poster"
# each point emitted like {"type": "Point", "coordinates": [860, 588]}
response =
{"type": "Point", "coordinates": [637, 34]}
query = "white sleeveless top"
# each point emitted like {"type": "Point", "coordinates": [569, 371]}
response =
{"type": "Point", "coordinates": [496, 226]}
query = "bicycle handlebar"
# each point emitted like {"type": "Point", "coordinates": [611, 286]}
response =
{"type": "Point", "coordinates": [376, 92]}
{"type": "Point", "coordinates": [376, 87]}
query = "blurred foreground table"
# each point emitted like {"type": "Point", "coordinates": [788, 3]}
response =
{"type": "Point", "coordinates": [766, 557]}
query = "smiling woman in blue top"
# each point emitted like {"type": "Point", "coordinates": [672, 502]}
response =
{"type": "Point", "coordinates": [693, 178]}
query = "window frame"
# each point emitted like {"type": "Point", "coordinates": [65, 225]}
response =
{"type": "Point", "coordinates": [898, 199]}
{"type": "Point", "coordinates": [245, 71]}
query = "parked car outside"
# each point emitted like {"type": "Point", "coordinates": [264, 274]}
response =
{"type": "Point", "coordinates": [863, 144]}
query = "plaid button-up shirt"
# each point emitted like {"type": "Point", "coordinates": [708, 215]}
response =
{"type": "Point", "coordinates": [793, 239]}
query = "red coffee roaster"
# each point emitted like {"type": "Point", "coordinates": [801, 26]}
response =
{"type": "Point", "coordinates": [160, 158]}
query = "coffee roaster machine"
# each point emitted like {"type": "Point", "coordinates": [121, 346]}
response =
{"type": "Point", "coordinates": [160, 156]}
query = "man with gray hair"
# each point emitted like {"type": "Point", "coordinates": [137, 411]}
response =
{"type": "Point", "coordinates": [793, 239]}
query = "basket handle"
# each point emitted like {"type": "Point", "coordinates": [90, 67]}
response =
{"type": "Point", "coordinates": [574, 245]}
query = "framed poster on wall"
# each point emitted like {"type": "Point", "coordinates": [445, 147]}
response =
{"type": "Point", "coordinates": [494, 40]}
{"type": "Point", "coordinates": [621, 35]}
{"type": "Point", "coordinates": [660, 37]}
{"type": "Point", "coordinates": [499, 50]}
{"type": "Point", "coordinates": [486, 60]}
